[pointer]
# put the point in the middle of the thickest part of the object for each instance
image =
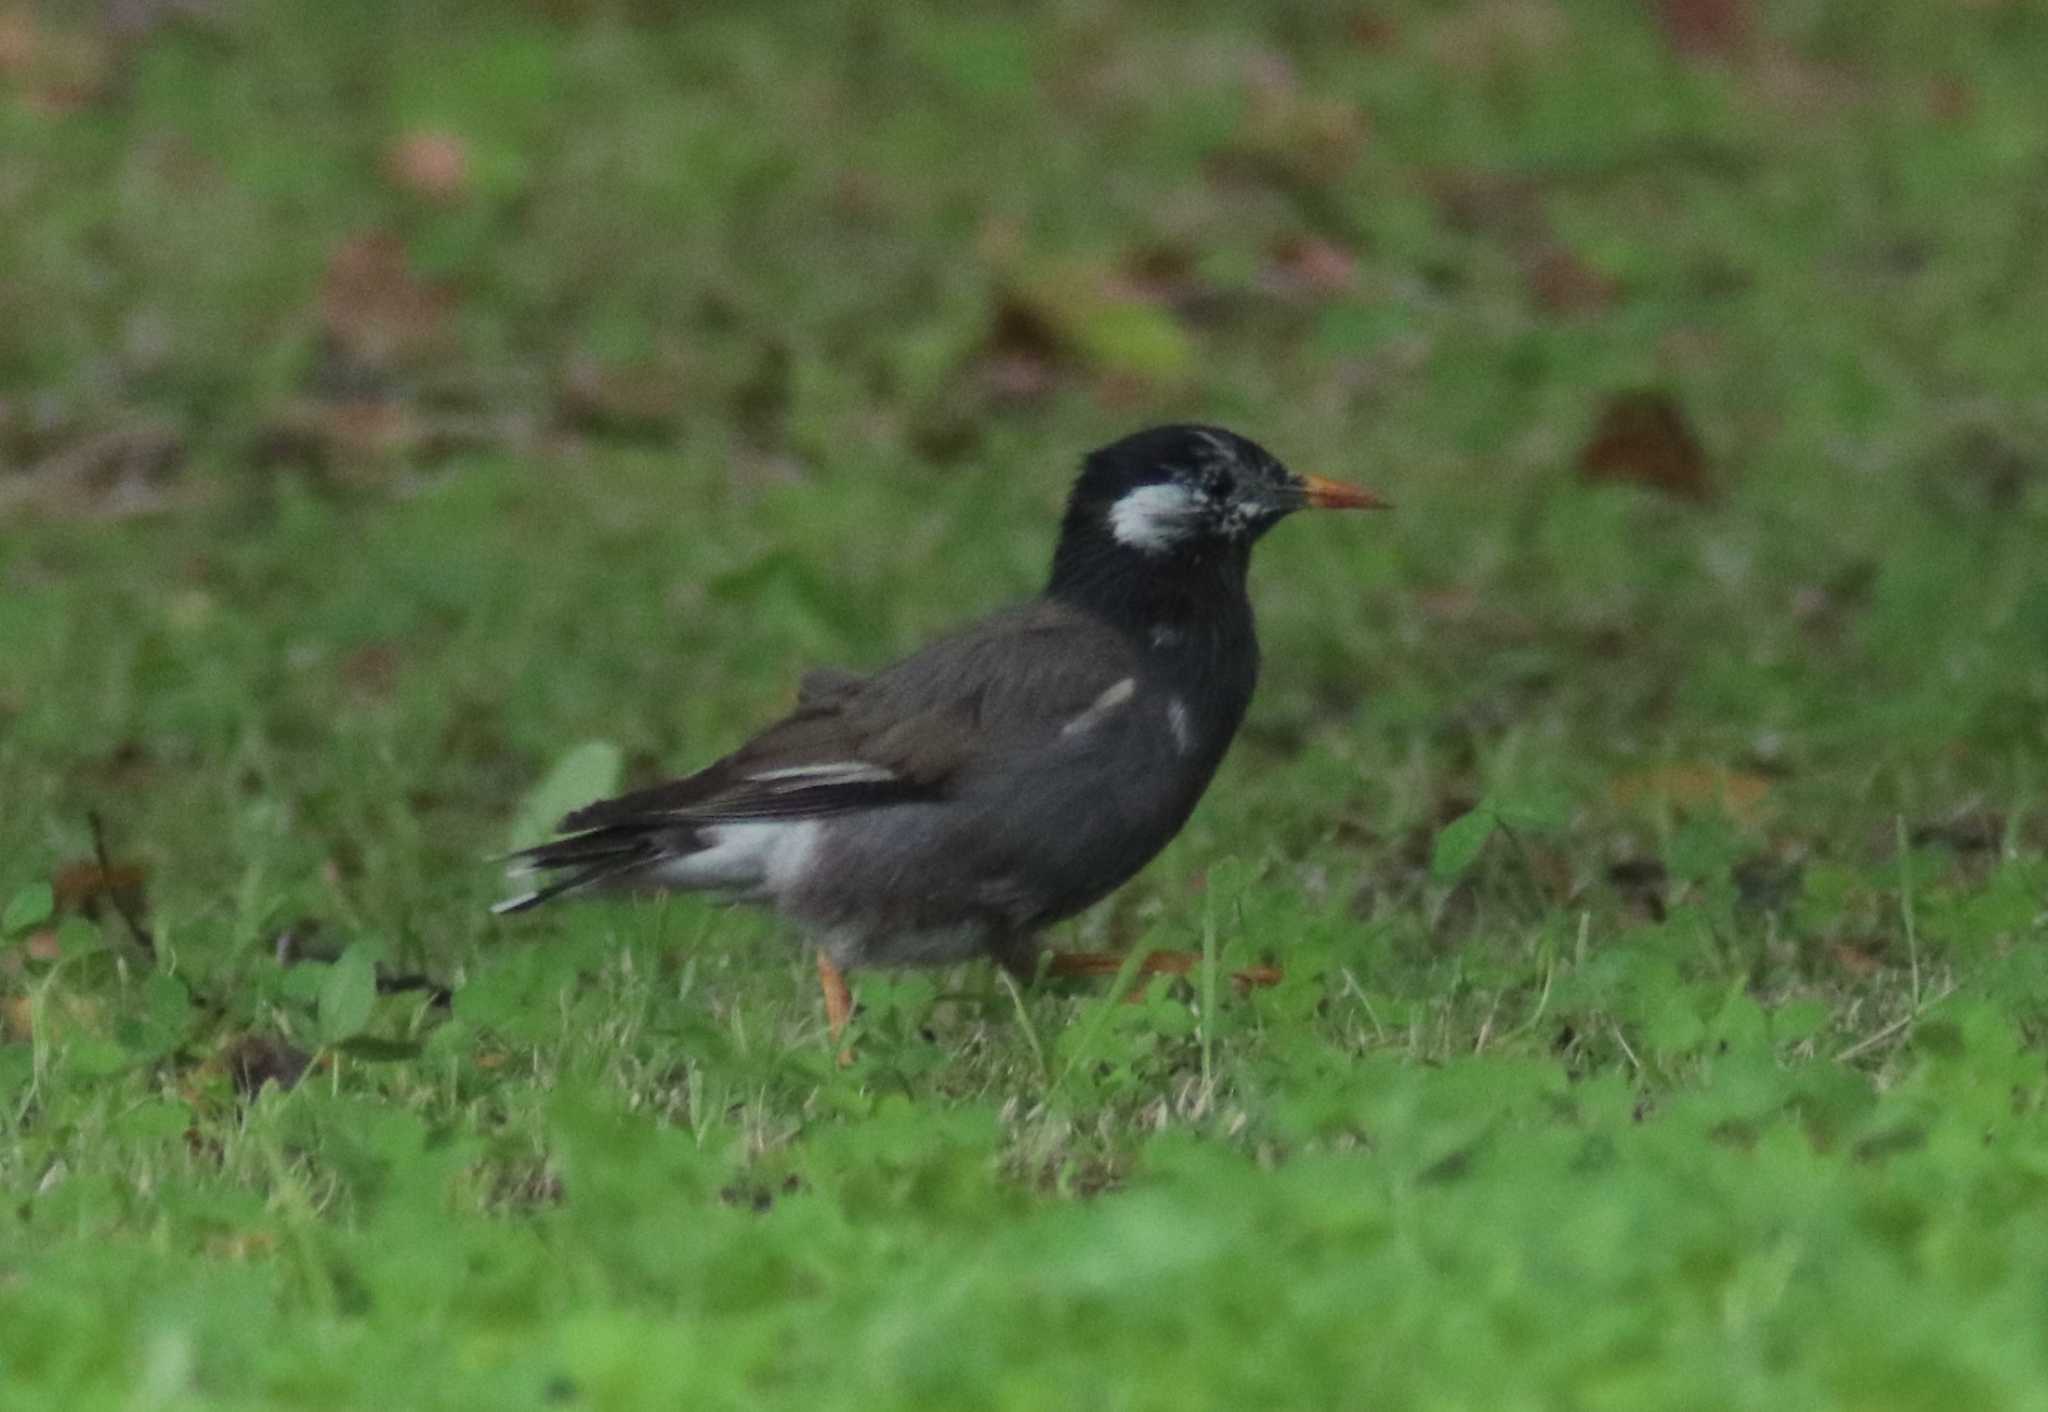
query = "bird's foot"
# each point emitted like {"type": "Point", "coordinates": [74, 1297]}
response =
{"type": "Point", "coordinates": [838, 1004]}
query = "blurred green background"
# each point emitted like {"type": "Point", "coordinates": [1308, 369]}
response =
{"type": "Point", "coordinates": [1648, 815]}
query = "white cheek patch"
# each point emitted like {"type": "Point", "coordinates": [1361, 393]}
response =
{"type": "Point", "coordinates": [1153, 518]}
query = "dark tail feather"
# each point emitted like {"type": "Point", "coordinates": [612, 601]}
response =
{"type": "Point", "coordinates": [582, 877]}
{"type": "Point", "coordinates": [576, 863]}
{"type": "Point", "coordinates": [594, 846]}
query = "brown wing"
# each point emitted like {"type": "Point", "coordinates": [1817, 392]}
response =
{"type": "Point", "coordinates": [905, 734]}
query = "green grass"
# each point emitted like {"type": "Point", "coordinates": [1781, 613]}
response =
{"type": "Point", "coordinates": [1701, 1066]}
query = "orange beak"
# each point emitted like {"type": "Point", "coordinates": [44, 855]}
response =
{"type": "Point", "coordinates": [1335, 495]}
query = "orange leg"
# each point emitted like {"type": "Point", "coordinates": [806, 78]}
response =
{"type": "Point", "coordinates": [1156, 963]}
{"type": "Point", "coordinates": [838, 1002]}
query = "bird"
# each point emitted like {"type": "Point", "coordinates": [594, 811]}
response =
{"type": "Point", "coordinates": [1006, 776]}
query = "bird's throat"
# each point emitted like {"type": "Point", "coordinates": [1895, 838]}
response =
{"type": "Point", "coordinates": [1189, 616]}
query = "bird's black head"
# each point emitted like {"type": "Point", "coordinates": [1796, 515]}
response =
{"type": "Point", "coordinates": [1180, 496]}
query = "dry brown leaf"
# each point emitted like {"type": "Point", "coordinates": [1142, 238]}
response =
{"type": "Point", "coordinates": [62, 1015]}
{"type": "Point", "coordinates": [1373, 32]}
{"type": "Point", "coordinates": [1550, 868]}
{"type": "Point", "coordinates": [80, 886]}
{"type": "Point", "coordinates": [1312, 136]}
{"type": "Point", "coordinates": [1488, 203]}
{"type": "Point", "coordinates": [1017, 377]}
{"type": "Point", "coordinates": [430, 164]}
{"type": "Point", "coordinates": [1159, 273]}
{"type": "Point", "coordinates": [1022, 359]}
{"type": "Point", "coordinates": [644, 397]}
{"type": "Point", "coordinates": [1559, 282]}
{"type": "Point", "coordinates": [18, 36]}
{"type": "Point", "coordinates": [56, 70]}
{"type": "Point", "coordinates": [1644, 438]}
{"type": "Point", "coordinates": [1951, 99]}
{"type": "Point", "coordinates": [1313, 266]}
{"type": "Point", "coordinates": [1705, 29]}
{"type": "Point", "coordinates": [1126, 393]}
{"type": "Point", "coordinates": [1455, 604]}
{"type": "Point", "coordinates": [374, 306]}
{"type": "Point", "coordinates": [371, 671]}
{"type": "Point", "coordinates": [1694, 787]}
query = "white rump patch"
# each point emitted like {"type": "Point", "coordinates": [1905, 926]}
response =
{"type": "Point", "coordinates": [793, 777]}
{"type": "Point", "coordinates": [1153, 518]}
{"type": "Point", "coordinates": [1109, 701]}
{"type": "Point", "coordinates": [1177, 722]}
{"type": "Point", "coordinates": [766, 857]}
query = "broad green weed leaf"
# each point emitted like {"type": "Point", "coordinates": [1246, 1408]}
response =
{"type": "Point", "coordinates": [1672, 1021]}
{"type": "Point", "coordinates": [165, 1018]}
{"type": "Point", "coordinates": [1459, 843]}
{"type": "Point", "coordinates": [1741, 1027]}
{"type": "Point", "coordinates": [78, 937]}
{"type": "Point", "coordinates": [154, 1120]}
{"type": "Point", "coordinates": [1702, 848]}
{"type": "Point", "coordinates": [1114, 333]}
{"type": "Point", "coordinates": [167, 1001]}
{"type": "Point", "coordinates": [347, 993]}
{"type": "Point", "coordinates": [166, 1015]}
{"type": "Point", "coordinates": [1989, 1033]}
{"type": "Point", "coordinates": [302, 984]}
{"type": "Point", "coordinates": [95, 1058]}
{"type": "Point", "coordinates": [29, 907]}
{"type": "Point", "coordinates": [1535, 810]}
{"type": "Point", "coordinates": [452, 1037]}
{"type": "Point", "coordinates": [1133, 338]}
{"type": "Point", "coordinates": [1798, 1020]}
{"type": "Point", "coordinates": [585, 772]}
